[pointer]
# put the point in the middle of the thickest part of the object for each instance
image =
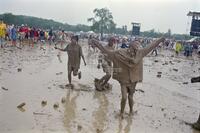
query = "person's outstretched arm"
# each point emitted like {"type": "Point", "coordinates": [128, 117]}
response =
{"type": "Point", "coordinates": [64, 50]}
{"type": "Point", "coordinates": [103, 49]}
{"type": "Point", "coordinates": [151, 46]}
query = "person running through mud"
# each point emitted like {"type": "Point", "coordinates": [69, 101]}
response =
{"type": "Point", "coordinates": [102, 84]}
{"type": "Point", "coordinates": [75, 53]}
{"type": "Point", "coordinates": [128, 68]}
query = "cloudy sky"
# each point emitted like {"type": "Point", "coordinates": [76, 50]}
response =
{"type": "Point", "coordinates": [158, 14]}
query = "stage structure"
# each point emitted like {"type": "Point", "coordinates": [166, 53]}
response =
{"type": "Point", "coordinates": [195, 25]}
{"type": "Point", "coordinates": [136, 29]}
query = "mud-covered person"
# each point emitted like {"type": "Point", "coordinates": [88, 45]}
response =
{"type": "Point", "coordinates": [75, 54]}
{"type": "Point", "coordinates": [106, 65]}
{"type": "Point", "coordinates": [196, 125]}
{"type": "Point", "coordinates": [128, 68]}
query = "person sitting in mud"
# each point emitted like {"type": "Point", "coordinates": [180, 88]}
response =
{"type": "Point", "coordinates": [128, 68]}
{"type": "Point", "coordinates": [75, 53]}
{"type": "Point", "coordinates": [102, 84]}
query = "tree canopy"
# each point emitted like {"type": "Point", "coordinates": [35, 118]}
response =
{"type": "Point", "coordinates": [102, 22]}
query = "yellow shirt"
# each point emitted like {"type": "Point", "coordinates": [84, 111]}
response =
{"type": "Point", "coordinates": [178, 47]}
{"type": "Point", "coordinates": [2, 30]}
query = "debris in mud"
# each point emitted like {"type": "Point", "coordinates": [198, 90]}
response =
{"type": "Point", "coordinates": [165, 114]}
{"type": "Point", "coordinates": [172, 55]}
{"type": "Point", "coordinates": [36, 113]}
{"type": "Point", "coordinates": [84, 109]}
{"type": "Point", "coordinates": [59, 73]}
{"type": "Point", "coordinates": [176, 70]}
{"type": "Point", "coordinates": [195, 79]}
{"type": "Point", "coordinates": [19, 69]}
{"type": "Point", "coordinates": [155, 60]}
{"type": "Point", "coordinates": [98, 66]}
{"type": "Point", "coordinates": [171, 62]}
{"type": "Point", "coordinates": [4, 88]}
{"type": "Point", "coordinates": [159, 75]}
{"type": "Point", "coordinates": [99, 130]}
{"type": "Point", "coordinates": [139, 90]}
{"type": "Point", "coordinates": [166, 63]}
{"type": "Point", "coordinates": [49, 87]}
{"type": "Point", "coordinates": [185, 83]}
{"type": "Point", "coordinates": [21, 105]}
{"type": "Point", "coordinates": [63, 100]}
{"type": "Point", "coordinates": [41, 48]}
{"type": "Point", "coordinates": [56, 105]}
{"type": "Point", "coordinates": [162, 109]}
{"type": "Point", "coordinates": [44, 103]}
{"type": "Point", "coordinates": [79, 127]}
{"type": "Point", "coordinates": [174, 117]}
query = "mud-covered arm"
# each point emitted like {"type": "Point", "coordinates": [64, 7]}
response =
{"type": "Point", "coordinates": [109, 53]}
{"type": "Point", "coordinates": [81, 54]}
{"type": "Point", "coordinates": [151, 46]}
{"type": "Point", "coordinates": [64, 50]}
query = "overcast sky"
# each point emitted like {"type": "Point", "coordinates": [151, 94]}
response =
{"type": "Point", "coordinates": [158, 14]}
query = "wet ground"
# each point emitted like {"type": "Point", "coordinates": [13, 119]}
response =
{"type": "Point", "coordinates": [33, 75]}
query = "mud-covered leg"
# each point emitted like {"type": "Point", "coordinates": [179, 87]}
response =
{"type": "Point", "coordinates": [123, 100]}
{"type": "Point", "coordinates": [131, 91]}
{"type": "Point", "coordinates": [70, 75]}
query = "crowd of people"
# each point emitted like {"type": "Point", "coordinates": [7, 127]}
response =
{"type": "Point", "coordinates": [25, 34]}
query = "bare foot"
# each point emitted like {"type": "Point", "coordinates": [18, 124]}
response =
{"type": "Point", "coordinates": [131, 113]}
{"type": "Point", "coordinates": [121, 116]}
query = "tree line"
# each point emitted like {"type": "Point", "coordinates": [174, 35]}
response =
{"type": "Point", "coordinates": [102, 22]}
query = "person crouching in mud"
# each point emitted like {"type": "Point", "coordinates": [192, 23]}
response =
{"type": "Point", "coordinates": [128, 68]}
{"type": "Point", "coordinates": [102, 84]}
{"type": "Point", "coordinates": [75, 53]}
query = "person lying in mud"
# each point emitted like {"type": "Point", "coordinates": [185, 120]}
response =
{"type": "Point", "coordinates": [75, 53]}
{"type": "Point", "coordinates": [128, 68]}
{"type": "Point", "coordinates": [102, 84]}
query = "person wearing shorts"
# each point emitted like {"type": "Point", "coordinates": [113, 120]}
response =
{"type": "Point", "coordinates": [75, 54]}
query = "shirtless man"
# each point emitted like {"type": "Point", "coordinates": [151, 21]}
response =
{"type": "Point", "coordinates": [74, 52]}
{"type": "Point", "coordinates": [106, 65]}
{"type": "Point", "coordinates": [128, 68]}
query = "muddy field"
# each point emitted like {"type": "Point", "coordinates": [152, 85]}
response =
{"type": "Point", "coordinates": [31, 75]}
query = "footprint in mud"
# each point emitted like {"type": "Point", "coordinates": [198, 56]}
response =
{"type": "Point", "coordinates": [56, 105]}
{"type": "Point", "coordinates": [83, 87]}
{"type": "Point", "coordinates": [77, 87]}
{"type": "Point", "coordinates": [126, 115]}
{"type": "Point", "coordinates": [44, 103]}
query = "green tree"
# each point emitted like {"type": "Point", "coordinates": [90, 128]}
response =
{"type": "Point", "coordinates": [102, 22]}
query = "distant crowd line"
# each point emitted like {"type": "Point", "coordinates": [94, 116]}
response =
{"type": "Point", "coordinates": [25, 34]}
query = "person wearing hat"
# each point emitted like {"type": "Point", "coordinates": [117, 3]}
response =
{"type": "Point", "coordinates": [101, 84]}
{"type": "Point", "coordinates": [128, 68]}
{"type": "Point", "coordinates": [75, 54]}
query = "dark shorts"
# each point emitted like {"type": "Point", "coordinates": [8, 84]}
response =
{"type": "Point", "coordinates": [73, 69]}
